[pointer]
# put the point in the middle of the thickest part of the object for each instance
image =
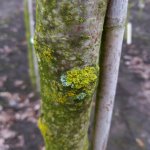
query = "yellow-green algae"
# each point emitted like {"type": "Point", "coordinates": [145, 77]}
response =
{"type": "Point", "coordinates": [81, 78]}
{"type": "Point", "coordinates": [76, 85]}
{"type": "Point", "coordinates": [43, 127]}
{"type": "Point", "coordinates": [81, 81]}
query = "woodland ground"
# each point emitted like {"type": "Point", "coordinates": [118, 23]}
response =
{"type": "Point", "coordinates": [19, 104]}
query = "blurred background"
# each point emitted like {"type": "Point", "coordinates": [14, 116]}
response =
{"type": "Point", "coordinates": [20, 104]}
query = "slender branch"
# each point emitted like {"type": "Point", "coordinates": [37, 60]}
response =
{"type": "Point", "coordinates": [35, 63]}
{"type": "Point", "coordinates": [109, 64]}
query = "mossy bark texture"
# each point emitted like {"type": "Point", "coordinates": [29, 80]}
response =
{"type": "Point", "coordinates": [67, 42]}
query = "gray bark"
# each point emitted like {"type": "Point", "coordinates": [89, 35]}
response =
{"type": "Point", "coordinates": [32, 60]}
{"type": "Point", "coordinates": [109, 66]}
{"type": "Point", "coordinates": [35, 62]}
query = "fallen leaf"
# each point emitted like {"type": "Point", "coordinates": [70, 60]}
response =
{"type": "Point", "coordinates": [18, 83]}
{"type": "Point", "coordinates": [6, 117]}
{"type": "Point", "coordinates": [6, 133]}
{"type": "Point", "coordinates": [2, 80]}
{"type": "Point", "coordinates": [140, 142]}
{"type": "Point", "coordinates": [31, 95]}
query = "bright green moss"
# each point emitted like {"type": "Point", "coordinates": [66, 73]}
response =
{"type": "Point", "coordinates": [75, 85]}
{"type": "Point", "coordinates": [43, 52]}
{"type": "Point", "coordinates": [43, 127]}
{"type": "Point", "coordinates": [46, 55]}
{"type": "Point", "coordinates": [56, 93]}
{"type": "Point", "coordinates": [82, 81]}
{"type": "Point", "coordinates": [50, 4]}
{"type": "Point", "coordinates": [81, 78]}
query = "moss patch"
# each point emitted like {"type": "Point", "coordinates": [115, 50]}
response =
{"type": "Point", "coordinates": [70, 14]}
{"type": "Point", "coordinates": [43, 127]}
{"type": "Point", "coordinates": [81, 81]}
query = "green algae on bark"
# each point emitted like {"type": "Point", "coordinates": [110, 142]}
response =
{"type": "Point", "coordinates": [67, 47]}
{"type": "Point", "coordinates": [82, 82]}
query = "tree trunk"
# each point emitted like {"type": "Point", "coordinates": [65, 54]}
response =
{"type": "Point", "coordinates": [109, 64]}
{"type": "Point", "coordinates": [33, 64]}
{"type": "Point", "coordinates": [67, 42]}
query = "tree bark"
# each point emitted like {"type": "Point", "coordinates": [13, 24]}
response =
{"type": "Point", "coordinates": [67, 42]}
{"type": "Point", "coordinates": [109, 64]}
{"type": "Point", "coordinates": [33, 64]}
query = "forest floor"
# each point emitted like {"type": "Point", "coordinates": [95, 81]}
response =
{"type": "Point", "coordinates": [19, 104]}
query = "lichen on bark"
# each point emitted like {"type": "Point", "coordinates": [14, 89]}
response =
{"type": "Point", "coordinates": [67, 46]}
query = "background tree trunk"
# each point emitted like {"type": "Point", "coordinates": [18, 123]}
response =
{"type": "Point", "coordinates": [109, 64]}
{"type": "Point", "coordinates": [67, 41]}
{"type": "Point", "coordinates": [32, 60]}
